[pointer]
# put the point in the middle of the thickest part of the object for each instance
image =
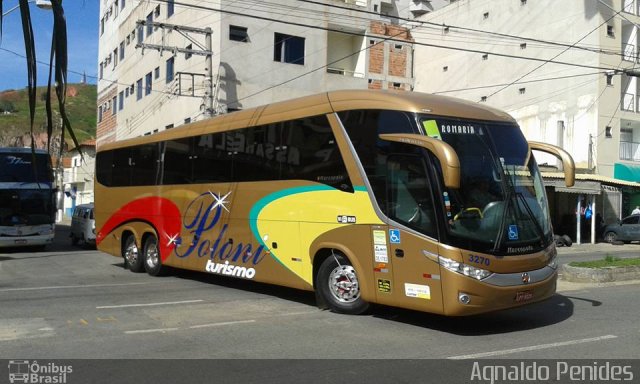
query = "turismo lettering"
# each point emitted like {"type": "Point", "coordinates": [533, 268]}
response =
{"type": "Point", "coordinates": [206, 211]}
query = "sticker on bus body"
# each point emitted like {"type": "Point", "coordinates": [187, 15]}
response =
{"type": "Point", "coordinates": [384, 286]}
{"type": "Point", "coordinates": [417, 291]}
{"type": "Point", "coordinates": [380, 253]}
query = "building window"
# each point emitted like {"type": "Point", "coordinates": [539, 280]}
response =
{"type": "Point", "coordinates": [115, 58]}
{"type": "Point", "coordinates": [445, 68]}
{"type": "Point", "coordinates": [169, 69]}
{"type": "Point", "coordinates": [610, 31]}
{"type": "Point", "coordinates": [609, 79]}
{"type": "Point", "coordinates": [288, 49]}
{"type": "Point", "coordinates": [157, 12]}
{"type": "Point", "coordinates": [121, 101]}
{"type": "Point", "coordinates": [187, 55]}
{"type": "Point", "coordinates": [100, 114]}
{"type": "Point", "coordinates": [523, 2]}
{"type": "Point", "coordinates": [147, 84]}
{"type": "Point", "coordinates": [122, 51]}
{"type": "Point", "coordinates": [122, 4]}
{"type": "Point", "coordinates": [485, 56]}
{"type": "Point", "coordinates": [445, 29]}
{"type": "Point", "coordinates": [523, 46]}
{"type": "Point", "coordinates": [486, 15]}
{"type": "Point", "coordinates": [149, 24]}
{"type": "Point", "coordinates": [483, 98]}
{"type": "Point", "coordinates": [168, 126]}
{"type": "Point", "coordinates": [237, 33]}
{"type": "Point", "coordinates": [522, 90]}
{"type": "Point", "coordinates": [140, 33]}
{"type": "Point", "coordinates": [156, 73]}
{"type": "Point", "coordinates": [114, 102]}
{"type": "Point", "coordinates": [607, 132]}
{"type": "Point", "coordinates": [101, 70]}
{"type": "Point", "coordinates": [187, 120]}
{"type": "Point", "coordinates": [139, 89]}
{"type": "Point", "coordinates": [170, 8]}
{"type": "Point", "coordinates": [101, 26]}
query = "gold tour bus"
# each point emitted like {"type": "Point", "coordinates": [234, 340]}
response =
{"type": "Point", "coordinates": [398, 198]}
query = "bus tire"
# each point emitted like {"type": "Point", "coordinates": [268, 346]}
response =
{"type": "Point", "coordinates": [131, 255]}
{"type": "Point", "coordinates": [337, 284]}
{"type": "Point", "coordinates": [151, 257]}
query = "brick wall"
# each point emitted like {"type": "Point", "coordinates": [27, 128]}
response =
{"type": "Point", "coordinates": [106, 129]}
{"type": "Point", "coordinates": [389, 60]}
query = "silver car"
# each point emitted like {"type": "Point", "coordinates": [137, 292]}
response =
{"type": "Point", "coordinates": [83, 225]}
{"type": "Point", "coordinates": [625, 230]}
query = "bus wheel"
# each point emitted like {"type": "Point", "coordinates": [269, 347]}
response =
{"type": "Point", "coordinates": [132, 259]}
{"type": "Point", "coordinates": [152, 261]}
{"type": "Point", "coordinates": [338, 285]}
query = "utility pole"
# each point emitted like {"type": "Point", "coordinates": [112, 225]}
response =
{"type": "Point", "coordinates": [205, 50]}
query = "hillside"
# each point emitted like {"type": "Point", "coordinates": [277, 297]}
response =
{"type": "Point", "coordinates": [14, 115]}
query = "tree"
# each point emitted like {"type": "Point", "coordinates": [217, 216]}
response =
{"type": "Point", "coordinates": [7, 106]}
{"type": "Point", "coordinates": [57, 69]}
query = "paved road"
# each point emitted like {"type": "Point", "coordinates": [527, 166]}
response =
{"type": "Point", "coordinates": [70, 302]}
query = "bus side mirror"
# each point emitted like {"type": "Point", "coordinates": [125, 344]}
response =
{"type": "Point", "coordinates": [568, 165]}
{"type": "Point", "coordinates": [447, 156]}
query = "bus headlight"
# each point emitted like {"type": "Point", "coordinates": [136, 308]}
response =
{"type": "Point", "coordinates": [463, 269]}
{"type": "Point", "coordinates": [45, 231]}
{"type": "Point", "coordinates": [553, 262]}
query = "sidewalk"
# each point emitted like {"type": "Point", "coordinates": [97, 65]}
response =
{"type": "Point", "coordinates": [600, 248]}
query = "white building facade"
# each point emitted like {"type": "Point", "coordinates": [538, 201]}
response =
{"type": "Point", "coordinates": [561, 69]}
{"type": "Point", "coordinates": [166, 63]}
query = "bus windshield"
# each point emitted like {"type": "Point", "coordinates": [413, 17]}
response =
{"type": "Point", "coordinates": [501, 205]}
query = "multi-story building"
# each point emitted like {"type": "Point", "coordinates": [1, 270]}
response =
{"type": "Point", "coordinates": [564, 70]}
{"type": "Point", "coordinates": [78, 175]}
{"type": "Point", "coordinates": [165, 63]}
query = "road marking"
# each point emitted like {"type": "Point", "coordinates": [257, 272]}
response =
{"type": "Point", "coordinates": [221, 324]}
{"type": "Point", "coordinates": [70, 287]}
{"type": "Point", "coordinates": [162, 330]}
{"type": "Point", "coordinates": [149, 304]}
{"type": "Point", "coordinates": [531, 348]}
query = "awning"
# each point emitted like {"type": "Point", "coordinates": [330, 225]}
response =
{"type": "Point", "coordinates": [626, 172]}
{"type": "Point", "coordinates": [580, 187]}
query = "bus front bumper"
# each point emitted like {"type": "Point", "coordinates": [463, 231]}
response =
{"type": "Point", "coordinates": [467, 296]}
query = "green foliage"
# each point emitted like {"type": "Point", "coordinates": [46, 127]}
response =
{"type": "Point", "coordinates": [7, 106]}
{"type": "Point", "coordinates": [80, 107]}
{"type": "Point", "coordinates": [608, 261]}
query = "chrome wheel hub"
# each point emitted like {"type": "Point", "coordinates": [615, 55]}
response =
{"type": "Point", "coordinates": [343, 284]}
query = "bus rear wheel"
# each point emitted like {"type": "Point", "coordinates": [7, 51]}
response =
{"type": "Point", "coordinates": [337, 283]}
{"type": "Point", "coordinates": [131, 254]}
{"type": "Point", "coordinates": [151, 255]}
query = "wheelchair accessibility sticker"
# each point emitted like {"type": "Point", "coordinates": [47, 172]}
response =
{"type": "Point", "coordinates": [394, 236]}
{"type": "Point", "coordinates": [513, 232]}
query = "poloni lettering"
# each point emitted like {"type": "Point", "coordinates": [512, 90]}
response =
{"type": "Point", "coordinates": [229, 269]}
{"type": "Point", "coordinates": [201, 219]}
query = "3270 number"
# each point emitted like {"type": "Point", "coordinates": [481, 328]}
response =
{"type": "Point", "coordinates": [479, 260]}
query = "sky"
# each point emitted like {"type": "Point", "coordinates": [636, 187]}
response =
{"type": "Point", "coordinates": [82, 35]}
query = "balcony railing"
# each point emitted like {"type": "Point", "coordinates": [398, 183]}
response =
{"type": "Point", "coordinates": [629, 150]}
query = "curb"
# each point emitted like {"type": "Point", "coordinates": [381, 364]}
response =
{"type": "Point", "coordinates": [599, 275]}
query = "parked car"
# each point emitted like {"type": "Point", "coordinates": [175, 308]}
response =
{"type": "Point", "coordinates": [83, 225]}
{"type": "Point", "coordinates": [625, 230]}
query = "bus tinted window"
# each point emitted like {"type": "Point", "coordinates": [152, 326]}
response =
{"type": "Point", "coordinates": [210, 163]}
{"type": "Point", "coordinates": [145, 161]}
{"type": "Point", "coordinates": [121, 173]}
{"type": "Point", "coordinates": [17, 166]}
{"type": "Point", "coordinates": [312, 153]}
{"type": "Point", "coordinates": [104, 166]}
{"type": "Point", "coordinates": [176, 159]}
{"type": "Point", "coordinates": [257, 153]}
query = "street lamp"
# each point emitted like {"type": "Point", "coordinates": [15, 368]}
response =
{"type": "Point", "coordinates": [42, 4]}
